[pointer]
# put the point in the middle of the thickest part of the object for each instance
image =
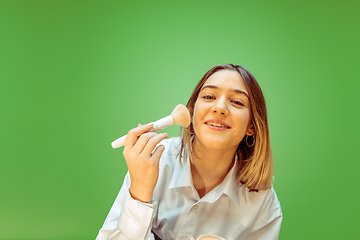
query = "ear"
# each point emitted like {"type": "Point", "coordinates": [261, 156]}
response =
{"type": "Point", "coordinates": [251, 130]}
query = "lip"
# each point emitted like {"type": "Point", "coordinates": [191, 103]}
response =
{"type": "Point", "coordinates": [219, 122]}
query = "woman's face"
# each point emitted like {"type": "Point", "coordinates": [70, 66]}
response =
{"type": "Point", "coordinates": [222, 112]}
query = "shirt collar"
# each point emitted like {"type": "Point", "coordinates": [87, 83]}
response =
{"type": "Point", "coordinates": [182, 178]}
{"type": "Point", "coordinates": [228, 187]}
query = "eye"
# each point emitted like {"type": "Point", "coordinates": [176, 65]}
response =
{"type": "Point", "coordinates": [237, 102]}
{"type": "Point", "coordinates": [208, 97]}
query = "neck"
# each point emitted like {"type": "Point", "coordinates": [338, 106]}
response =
{"type": "Point", "coordinates": [210, 167]}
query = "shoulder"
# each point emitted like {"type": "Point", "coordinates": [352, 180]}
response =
{"type": "Point", "coordinates": [269, 206]}
{"type": "Point", "coordinates": [265, 198]}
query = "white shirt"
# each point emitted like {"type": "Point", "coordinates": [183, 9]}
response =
{"type": "Point", "coordinates": [177, 212]}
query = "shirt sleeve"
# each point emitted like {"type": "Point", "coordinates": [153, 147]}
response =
{"type": "Point", "coordinates": [268, 225]}
{"type": "Point", "coordinates": [128, 218]}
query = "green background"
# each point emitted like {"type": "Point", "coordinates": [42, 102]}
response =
{"type": "Point", "coordinates": [75, 75]}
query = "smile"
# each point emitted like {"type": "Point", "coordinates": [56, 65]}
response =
{"type": "Point", "coordinates": [215, 124]}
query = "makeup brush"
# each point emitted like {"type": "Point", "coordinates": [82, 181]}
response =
{"type": "Point", "coordinates": [179, 116]}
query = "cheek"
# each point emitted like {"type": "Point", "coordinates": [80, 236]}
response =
{"type": "Point", "coordinates": [246, 119]}
{"type": "Point", "coordinates": [243, 119]}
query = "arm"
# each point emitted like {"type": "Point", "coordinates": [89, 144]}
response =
{"type": "Point", "coordinates": [131, 215]}
{"type": "Point", "coordinates": [128, 218]}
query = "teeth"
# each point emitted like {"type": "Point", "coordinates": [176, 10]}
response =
{"type": "Point", "coordinates": [216, 124]}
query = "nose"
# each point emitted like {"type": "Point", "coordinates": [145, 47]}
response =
{"type": "Point", "coordinates": [220, 108]}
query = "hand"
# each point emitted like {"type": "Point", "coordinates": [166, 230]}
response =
{"type": "Point", "coordinates": [143, 165]}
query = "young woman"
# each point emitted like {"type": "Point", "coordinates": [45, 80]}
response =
{"type": "Point", "coordinates": [216, 179]}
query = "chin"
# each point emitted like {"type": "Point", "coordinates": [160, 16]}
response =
{"type": "Point", "coordinates": [217, 144]}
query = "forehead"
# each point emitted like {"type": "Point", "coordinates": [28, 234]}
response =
{"type": "Point", "coordinates": [226, 79]}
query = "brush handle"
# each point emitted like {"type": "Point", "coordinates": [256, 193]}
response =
{"type": "Point", "coordinates": [158, 125]}
{"type": "Point", "coordinates": [162, 123]}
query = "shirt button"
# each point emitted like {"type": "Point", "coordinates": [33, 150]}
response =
{"type": "Point", "coordinates": [196, 207]}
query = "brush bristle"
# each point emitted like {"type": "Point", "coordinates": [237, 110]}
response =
{"type": "Point", "coordinates": [181, 115]}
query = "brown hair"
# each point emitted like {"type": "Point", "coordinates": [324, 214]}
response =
{"type": "Point", "coordinates": [255, 163]}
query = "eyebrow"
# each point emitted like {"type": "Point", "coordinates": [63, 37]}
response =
{"type": "Point", "coordinates": [235, 90]}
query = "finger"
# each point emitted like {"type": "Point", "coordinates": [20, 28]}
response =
{"type": "Point", "coordinates": [157, 153]}
{"type": "Point", "coordinates": [139, 125]}
{"type": "Point", "coordinates": [133, 135]}
{"type": "Point", "coordinates": [150, 146]}
{"type": "Point", "coordinates": [142, 141]}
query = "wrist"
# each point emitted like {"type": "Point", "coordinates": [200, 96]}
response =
{"type": "Point", "coordinates": [142, 196]}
